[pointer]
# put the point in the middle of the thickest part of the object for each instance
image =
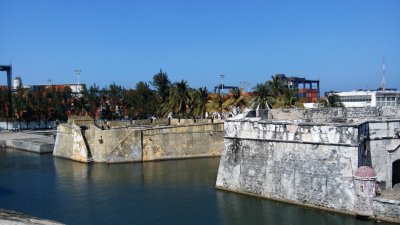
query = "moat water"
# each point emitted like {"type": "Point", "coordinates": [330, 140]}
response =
{"type": "Point", "coordinates": [166, 192]}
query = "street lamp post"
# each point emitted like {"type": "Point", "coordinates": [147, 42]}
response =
{"type": "Point", "coordinates": [78, 73]}
{"type": "Point", "coordinates": [222, 81]}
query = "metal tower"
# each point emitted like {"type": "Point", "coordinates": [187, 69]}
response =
{"type": "Point", "coordinates": [383, 82]}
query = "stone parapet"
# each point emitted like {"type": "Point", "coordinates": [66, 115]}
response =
{"type": "Point", "coordinates": [340, 134]}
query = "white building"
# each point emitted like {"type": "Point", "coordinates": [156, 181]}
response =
{"type": "Point", "coordinates": [363, 98]}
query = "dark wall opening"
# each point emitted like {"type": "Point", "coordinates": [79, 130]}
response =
{"type": "Point", "coordinates": [396, 172]}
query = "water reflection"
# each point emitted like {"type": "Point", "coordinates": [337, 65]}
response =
{"type": "Point", "coordinates": [166, 192]}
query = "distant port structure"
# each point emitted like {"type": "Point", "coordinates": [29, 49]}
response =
{"type": "Point", "coordinates": [380, 97]}
{"type": "Point", "coordinates": [368, 98]}
{"type": "Point", "coordinates": [308, 90]}
{"type": "Point", "coordinates": [8, 70]}
{"type": "Point", "coordinates": [222, 88]}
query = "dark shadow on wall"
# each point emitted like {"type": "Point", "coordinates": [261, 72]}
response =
{"type": "Point", "coordinates": [364, 149]}
{"type": "Point", "coordinates": [396, 172]}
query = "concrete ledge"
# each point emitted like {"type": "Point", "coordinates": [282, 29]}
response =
{"type": "Point", "coordinates": [165, 158]}
{"type": "Point", "coordinates": [33, 145]}
{"type": "Point", "coordinates": [386, 209]}
{"type": "Point", "coordinates": [388, 201]}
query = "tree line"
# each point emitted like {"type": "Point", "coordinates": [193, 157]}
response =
{"type": "Point", "coordinates": [158, 98]}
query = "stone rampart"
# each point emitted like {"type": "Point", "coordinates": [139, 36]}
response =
{"type": "Point", "coordinates": [114, 145]}
{"type": "Point", "coordinates": [183, 141]}
{"type": "Point", "coordinates": [323, 115]}
{"type": "Point", "coordinates": [383, 149]}
{"type": "Point", "coordinates": [130, 144]}
{"type": "Point", "coordinates": [70, 143]}
{"type": "Point", "coordinates": [387, 209]}
{"type": "Point", "coordinates": [310, 163]}
{"type": "Point", "coordinates": [301, 163]}
{"type": "Point", "coordinates": [338, 134]}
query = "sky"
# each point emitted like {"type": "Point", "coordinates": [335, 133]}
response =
{"type": "Point", "coordinates": [342, 43]}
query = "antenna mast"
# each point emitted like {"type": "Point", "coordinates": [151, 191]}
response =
{"type": "Point", "coordinates": [383, 75]}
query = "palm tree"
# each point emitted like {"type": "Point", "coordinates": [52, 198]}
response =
{"type": "Point", "coordinates": [332, 100]}
{"type": "Point", "coordinates": [218, 104]}
{"type": "Point", "coordinates": [290, 97]}
{"type": "Point", "coordinates": [264, 97]}
{"type": "Point", "coordinates": [162, 85]}
{"type": "Point", "coordinates": [178, 98]}
{"type": "Point", "coordinates": [197, 102]}
{"type": "Point", "coordinates": [237, 100]}
{"type": "Point", "coordinates": [276, 85]}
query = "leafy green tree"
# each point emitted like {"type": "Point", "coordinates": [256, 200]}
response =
{"type": "Point", "coordinates": [93, 100]}
{"type": "Point", "coordinates": [4, 104]}
{"type": "Point", "coordinates": [145, 100]}
{"type": "Point", "coordinates": [115, 94]}
{"type": "Point", "coordinates": [162, 84]}
{"type": "Point", "coordinates": [20, 104]}
{"type": "Point", "coordinates": [129, 104]}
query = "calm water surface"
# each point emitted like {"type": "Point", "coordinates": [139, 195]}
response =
{"type": "Point", "coordinates": [167, 192]}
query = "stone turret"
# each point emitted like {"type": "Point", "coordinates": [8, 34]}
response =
{"type": "Point", "coordinates": [364, 184]}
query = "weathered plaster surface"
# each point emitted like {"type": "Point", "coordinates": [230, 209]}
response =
{"type": "Point", "coordinates": [310, 160]}
{"type": "Point", "coordinates": [305, 170]}
{"type": "Point", "coordinates": [70, 144]}
{"type": "Point", "coordinates": [384, 209]}
{"type": "Point", "coordinates": [183, 141]}
{"type": "Point", "coordinates": [128, 144]}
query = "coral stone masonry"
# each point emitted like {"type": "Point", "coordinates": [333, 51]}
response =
{"type": "Point", "coordinates": [85, 140]}
{"type": "Point", "coordinates": [333, 159]}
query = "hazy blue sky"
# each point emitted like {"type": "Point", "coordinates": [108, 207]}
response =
{"type": "Point", "coordinates": [342, 43]}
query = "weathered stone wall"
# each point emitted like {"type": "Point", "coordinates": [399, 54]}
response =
{"type": "Point", "coordinates": [304, 164]}
{"type": "Point", "coordinates": [115, 145]}
{"type": "Point", "coordinates": [183, 141]}
{"type": "Point", "coordinates": [383, 149]}
{"type": "Point", "coordinates": [70, 143]}
{"type": "Point", "coordinates": [185, 122]}
{"type": "Point", "coordinates": [352, 114]}
{"type": "Point", "coordinates": [286, 114]}
{"type": "Point", "coordinates": [138, 144]}
{"type": "Point", "coordinates": [309, 163]}
{"type": "Point", "coordinates": [386, 209]}
{"type": "Point", "coordinates": [293, 132]}
{"type": "Point", "coordinates": [392, 112]}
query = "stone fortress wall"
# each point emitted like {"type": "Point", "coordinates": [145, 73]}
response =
{"type": "Point", "coordinates": [124, 141]}
{"type": "Point", "coordinates": [310, 157]}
